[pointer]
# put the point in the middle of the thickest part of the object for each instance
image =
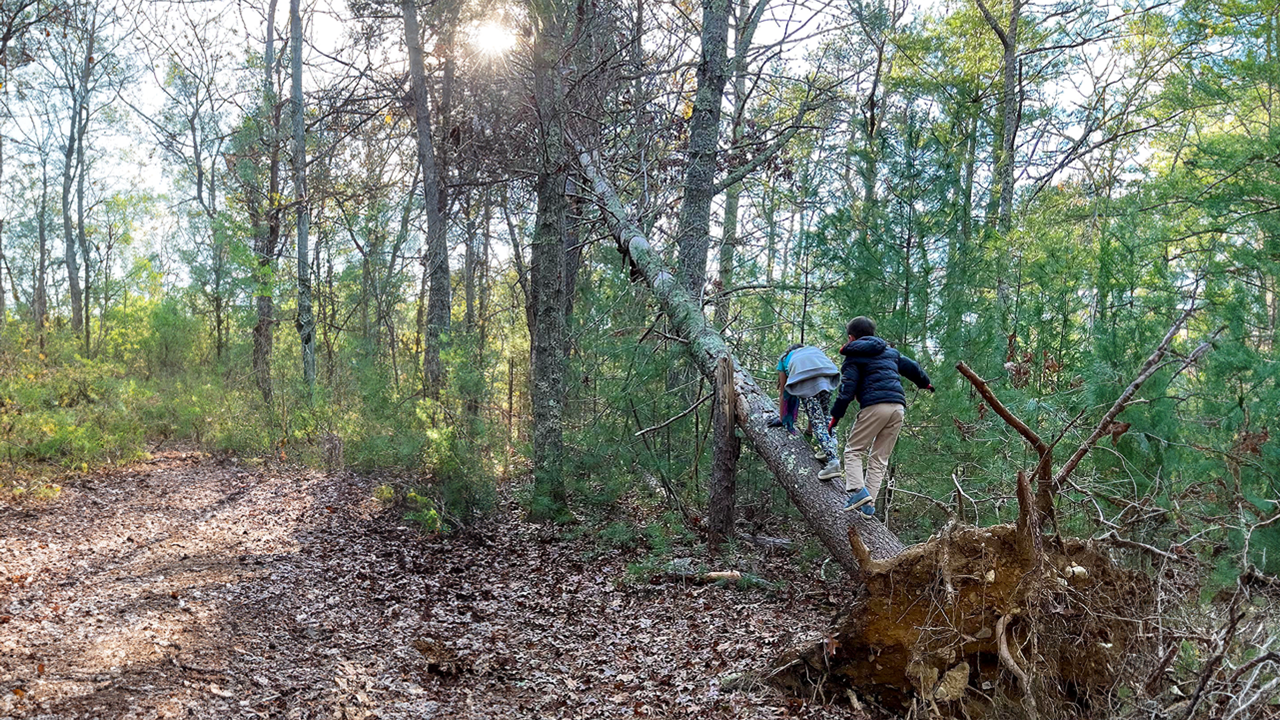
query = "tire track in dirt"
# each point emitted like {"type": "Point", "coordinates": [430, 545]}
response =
{"type": "Point", "coordinates": [201, 588]}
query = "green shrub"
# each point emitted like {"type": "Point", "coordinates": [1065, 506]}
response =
{"type": "Point", "coordinates": [168, 347]}
{"type": "Point", "coordinates": [422, 511]}
{"type": "Point", "coordinates": [620, 534]}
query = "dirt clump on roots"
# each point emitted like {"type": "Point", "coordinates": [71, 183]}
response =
{"type": "Point", "coordinates": [972, 621]}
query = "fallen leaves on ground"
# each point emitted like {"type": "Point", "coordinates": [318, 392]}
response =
{"type": "Point", "coordinates": [198, 587]}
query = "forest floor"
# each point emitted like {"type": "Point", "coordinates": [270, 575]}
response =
{"type": "Point", "coordinates": [199, 587]}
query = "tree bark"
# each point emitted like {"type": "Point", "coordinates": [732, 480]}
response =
{"type": "Point", "coordinates": [3, 309]}
{"type": "Point", "coordinates": [306, 322]}
{"type": "Point", "coordinates": [39, 298]}
{"type": "Point", "coordinates": [789, 458]}
{"type": "Point", "coordinates": [469, 259]}
{"type": "Point", "coordinates": [547, 265]}
{"type": "Point", "coordinates": [693, 232]}
{"type": "Point", "coordinates": [81, 238]}
{"type": "Point", "coordinates": [747, 21]}
{"type": "Point", "coordinates": [266, 241]}
{"type": "Point", "coordinates": [68, 231]}
{"type": "Point", "coordinates": [724, 468]}
{"type": "Point", "coordinates": [436, 257]}
{"type": "Point", "coordinates": [725, 447]}
{"type": "Point", "coordinates": [1010, 110]}
{"type": "Point", "coordinates": [694, 227]}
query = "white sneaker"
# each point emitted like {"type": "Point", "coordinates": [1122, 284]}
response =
{"type": "Point", "coordinates": [830, 471]}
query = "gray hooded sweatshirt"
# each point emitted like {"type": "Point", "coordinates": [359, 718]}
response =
{"type": "Point", "coordinates": [809, 372]}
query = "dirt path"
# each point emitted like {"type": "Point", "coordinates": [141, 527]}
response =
{"type": "Point", "coordinates": [195, 588]}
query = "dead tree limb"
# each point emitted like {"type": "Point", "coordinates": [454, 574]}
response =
{"type": "Point", "coordinates": [1027, 520]}
{"type": "Point", "coordinates": [790, 460]}
{"type": "Point", "coordinates": [724, 467]}
{"type": "Point", "coordinates": [1032, 545]}
{"type": "Point", "coordinates": [981, 386]}
{"type": "Point", "coordinates": [668, 421]}
{"type": "Point", "coordinates": [1210, 668]}
{"type": "Point", "coordinates": [1113, 538]}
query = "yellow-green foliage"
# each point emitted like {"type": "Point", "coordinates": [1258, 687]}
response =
{"type": "Point", "coordinates": [61, 408]}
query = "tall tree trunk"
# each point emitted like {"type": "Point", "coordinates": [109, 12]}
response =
{"type": "Point", "coordinates": [547, 264]}
{"type": "Point", "coordinates": [267, 240]}
{"type": "Point", "coordinates": [870, 170]}
{"type": "Point", "coordinates": [218, 319]}
{"type": "Point", "coordinates": [486, 235]}
{"type": "Point", "coordinates": [639, 128]}
{"type": "Point", "coordinates": [81, 238]}
{"type": "Point", "coordinates": [68, 231]}
{"type": "Point", "coordinates": [306, 322]}
{"type": "Point", "coordinates": [436, 257]}
{"type": "Point", "coordinates": [440, 299]}
{"type": "Point", "coordinates": [572, 255]}
{"type": "Point", "coordinates": [1010, 115]}
{"type": "Point", "coordinates": [694, 228]}
{"type": "Point", "coordinates": [748, 19]}
{"type": "Point", "coordinates": [40, 296]}
{"type": "Point", "coordinates": [3, 310]}
{"type": "Point", "coordinates": [469, 261]}
{"type": "Point", "coordinates": [725, 447]}
{"type": "Point", "coordinates": [959, 244]}
{"type": "Point", "coordinates": [728, 253]}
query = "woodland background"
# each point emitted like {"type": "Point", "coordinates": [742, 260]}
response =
{"type": "Point", "coordinates": [286, 232]}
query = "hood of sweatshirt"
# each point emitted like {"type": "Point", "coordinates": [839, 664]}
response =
{"type": "Point", "coordinates": [864, 347]}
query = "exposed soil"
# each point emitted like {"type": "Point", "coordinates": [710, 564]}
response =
{"type": "Point", "coordinates": [195, 587]}
{"type": "Point", "coordinates": [926, 634]}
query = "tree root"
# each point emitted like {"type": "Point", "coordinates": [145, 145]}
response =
{"type": "Point", "coordinates": [934, 626]}
{"type": "Point", "coordinates": [1028, 697]}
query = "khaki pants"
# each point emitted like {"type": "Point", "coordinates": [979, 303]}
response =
{"type": "Point", "coordinates": [876, 430]}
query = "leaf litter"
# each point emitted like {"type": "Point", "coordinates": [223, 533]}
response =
{"type": "Point", "coordinates": [193, 586]}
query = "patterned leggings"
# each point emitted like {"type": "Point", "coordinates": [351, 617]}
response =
{"type": "Point", "coordinates": [816, 408]}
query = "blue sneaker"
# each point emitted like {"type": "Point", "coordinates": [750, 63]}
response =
{"type": "Point", "coordinates": [869, 510]}
{"type": "Point", "coordinates": [857, 499]}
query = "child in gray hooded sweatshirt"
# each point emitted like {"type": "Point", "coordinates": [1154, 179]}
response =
{"type": "Point", "coordinates": [806, 378]}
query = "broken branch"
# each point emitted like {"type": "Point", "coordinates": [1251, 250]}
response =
{"type": "Point", "coordinates": [1114, 538]}
{"type": "Point", "coordinates": [1043, 468]}
{"type": "Point", "coordinates": [668, 421]}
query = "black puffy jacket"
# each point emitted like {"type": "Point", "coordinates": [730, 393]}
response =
{"type": "Point", "coordinates": [870, 374]}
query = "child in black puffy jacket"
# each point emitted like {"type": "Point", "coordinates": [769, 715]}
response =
{"type": "Point", "coordinates": [870, 374]}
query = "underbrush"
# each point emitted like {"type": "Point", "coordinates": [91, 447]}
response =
{"type": "Point", "coordinates": [63, 413]}
{"type": "Point", "coordinates": [72, 414]}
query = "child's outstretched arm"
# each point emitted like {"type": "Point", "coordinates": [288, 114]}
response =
{"type": "Point", "coordinates": [912, 371]}
{"type": "Point", "coordinates": [848, 390]}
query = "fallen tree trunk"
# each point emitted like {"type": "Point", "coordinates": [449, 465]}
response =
{"type": "Point", "coordinates": [789, 458]}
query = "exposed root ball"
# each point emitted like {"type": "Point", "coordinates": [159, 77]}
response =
{"type": "Point", "coordinates": [930, 627]}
